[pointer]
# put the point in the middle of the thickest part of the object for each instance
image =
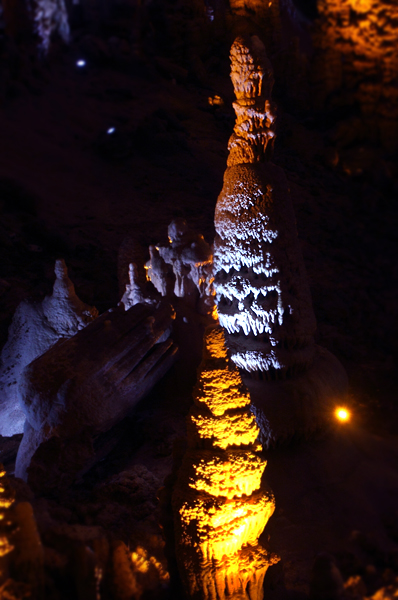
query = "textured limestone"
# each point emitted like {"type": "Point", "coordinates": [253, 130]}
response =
{"type": "Point", "coordinates": [36, 22]}
{"type": "Point", "coordinates": [183, 266]}
{"type": "Point", "coordinates": [263, 299]}
{"type": "Point", "coordinates": [136, 292]}
{"type": "Point", "coordinates": [220, 509]}
{"type": "Point", "coordinates": [84, 385]}
{"type": "Point", "coordinates": [261, 289]}
{"type": "Point", "coordinates": [252, 78]}
{"type": "Point", "coordinates": [355, 60]}
{"type": "Point", "coordinates": [34, 329]}
{"type": "Point", "coordinates": [50, 18]}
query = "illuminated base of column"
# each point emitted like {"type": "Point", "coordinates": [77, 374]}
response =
{"type": "Point", "coordinates": [238, 577]}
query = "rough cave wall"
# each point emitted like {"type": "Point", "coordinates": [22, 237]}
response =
{"type": "Point", "coordinates": [355, 62]}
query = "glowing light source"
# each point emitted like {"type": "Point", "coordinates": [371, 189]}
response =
{"type": "Point", "coordinates": [81, 63]}
{"type": "Point", "coordinates": [342, 414]}
{"type": "Point", "coordinates": [111, 130]}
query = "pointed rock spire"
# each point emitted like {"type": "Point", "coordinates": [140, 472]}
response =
{"type": "Point", "coordinates": [263, 299]}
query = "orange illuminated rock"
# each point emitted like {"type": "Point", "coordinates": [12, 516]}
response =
{"type": "Point", "coordinates": [252, 78]}
{"type": "Point", "coordinates": [6, 529]}
{"type": "Point", "coordinates": [6, 500]}
{"type": "Point", "coordinates": [219, 507]}
{"type": "Point", "coordinates": [355, 60]}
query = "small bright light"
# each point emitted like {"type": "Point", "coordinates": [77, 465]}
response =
{"type": "Point", "coordinates": [111, 130]}
{"type": "Point", "coordinates": [342, 414]}
{"type": "Point", "coordinates": [81, 63]}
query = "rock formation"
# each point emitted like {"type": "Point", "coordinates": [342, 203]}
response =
{"type": "Point", "coordinates": [6, 500]}
{"type": "Point", "coordinates": [182, 266]}
{"type": "Point", "coordinates": [34, 329]}
{"type": "Point", "coordinates": [37, 22]}
{"type": "Point", "coordinates": [263, 299]}
{"type": "Point", "coordinates": [262, 294]}
{"type": "Point", "coordinates": [265, 15]}
{"type": "Point", "coordinates": [130, 251]}
{"type": "Point", "coordinates": [27, 560]}
{"type": "Point", "coordinates": [50, 18]}
{"type": "Point", "coordinates": [84, 385]}
{"type": "Point", "coordinates": [355, 61]}
{"type": "Point", "coordinates": [219, 506]}
{"type": "Point", "coordinates": [135, 292]}
{"type": "Point", "coordinates": [19, 570]}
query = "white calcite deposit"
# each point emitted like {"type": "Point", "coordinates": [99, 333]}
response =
{"type": "Point", "coordinates": [84, 385]}
{"type": "Point", "coordinates": [50, 18]}
{"type": "Point", "coordinates": [261, 288]}
{"type": "Point", "coordinates": [34, 329]}
{"type": "Point", "coordinates": [183, 266]}
{"type": "Point", "coordinates": [262, 295]}
{"type": "Point", "coordinates": [135, 292]}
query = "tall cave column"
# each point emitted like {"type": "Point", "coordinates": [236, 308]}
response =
{"type": "Point", "coordinates": [220, 510]}
{"type": "Point", "coordinates": [263, 299]}
{"type": "Point", "coordinates": [261, 289]}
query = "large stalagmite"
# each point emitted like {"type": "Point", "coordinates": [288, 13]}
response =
{"type": "Point", "coordinates": [262, 294]}
{"type": "Point", "coordinates": [219, 506]}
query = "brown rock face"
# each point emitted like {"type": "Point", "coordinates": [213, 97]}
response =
{"type": "Point", "coordinates": [262, 295]}
{"type": "Point", "coordinates": [355, 43]}
{"type": "Point", "coordinates": [219, 508]}
{"type": "Point", "coordinates": [266, 15]}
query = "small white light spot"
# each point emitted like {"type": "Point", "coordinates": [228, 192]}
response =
{"type": "Point", "coordinates": [111, 130]}
{"type": "Point", "coordinates": [81, 63]}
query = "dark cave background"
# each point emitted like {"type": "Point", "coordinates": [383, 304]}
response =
{"type": "Point", "coordinates": [69, 189]}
